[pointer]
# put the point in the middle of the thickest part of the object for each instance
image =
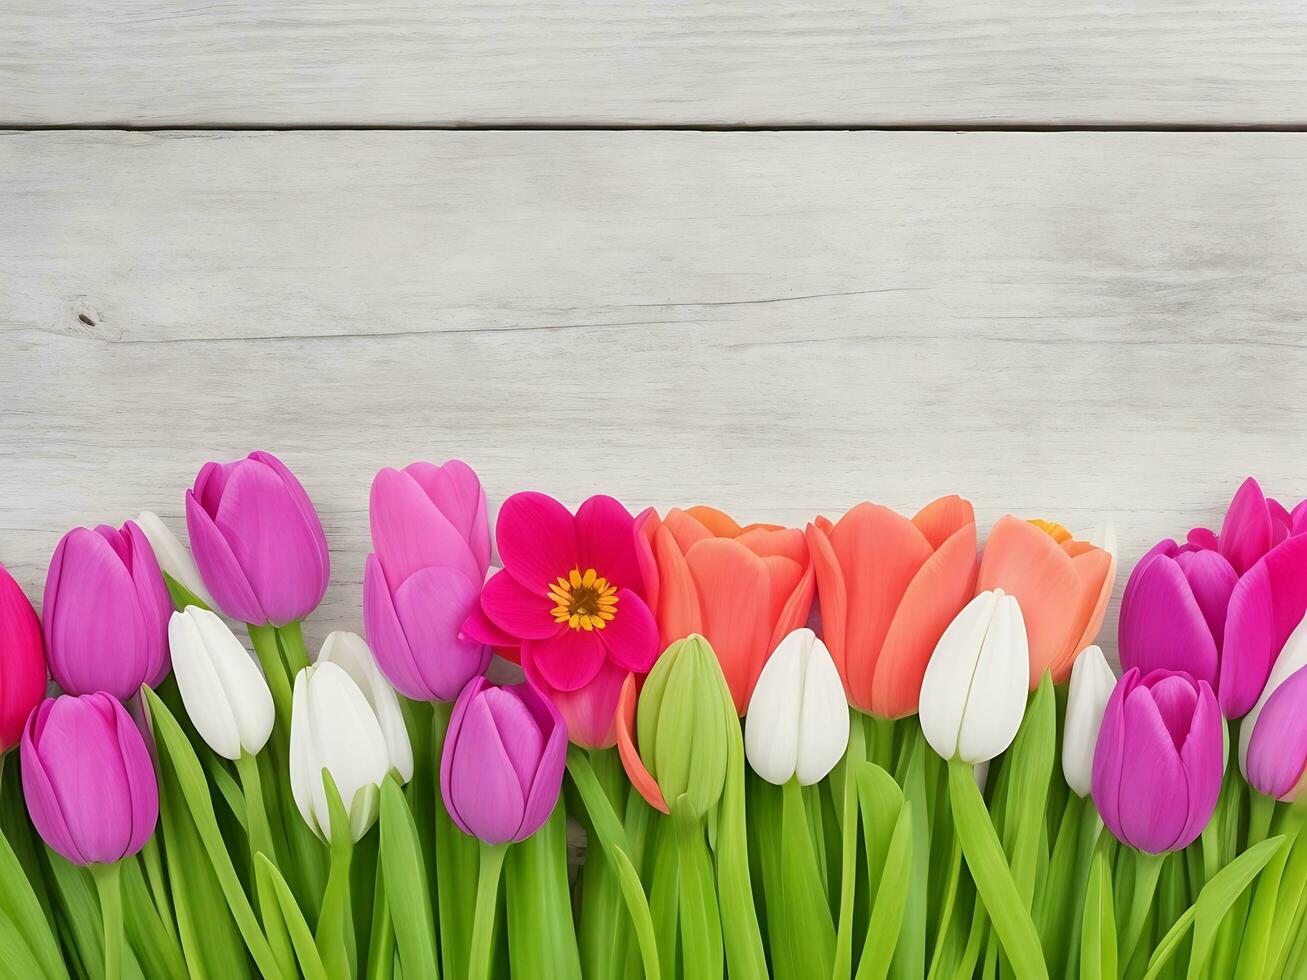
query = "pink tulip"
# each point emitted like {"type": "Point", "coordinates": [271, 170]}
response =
{"type": "Point", "coordinates": [1220, 607]}
{"type": "Point", "coordinates": [257, 540]}
{"type": "Point", "coordinates": [571, 597]}
{"type": "Point", "coordinates": [1159, 760]}
{"type": "Point", "coordinates": [431, 542]}
{"type": "Point", "coordinates": [502, 766]}
{"type": "Point", "coordinates": [87, 778]}
{"type": "Point", "coordinates": [106, 612]}
{"type": "Point", "coordinates": [1277, 752]}
{"type": "Point", "coordinates": [22, 661]}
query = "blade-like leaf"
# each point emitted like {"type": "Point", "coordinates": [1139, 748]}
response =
{"type": "Point", "coordinates": [406, 886]}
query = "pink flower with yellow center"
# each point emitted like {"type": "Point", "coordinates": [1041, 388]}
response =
{"type": "Point", "coordinates": [570, 604]}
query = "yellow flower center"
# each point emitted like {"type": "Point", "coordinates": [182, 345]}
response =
{"type": "Point", "coordinates": [1054, 530]}
{"type": "Point", "coordinates": [583, 601]}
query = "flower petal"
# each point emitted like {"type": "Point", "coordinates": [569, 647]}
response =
{"type": "Point", "coordinates": [1154, 789]}
{"type": "Point", "coordinates": [771, 727]}
{"type": "Point", "coordinates": [833, 600]}
{"type": "Point", "coordinates": [410, 532]}
{"type": "Point", "coordinates": [824, 718]}
{"type": "Point", "coordinates": [1277, 752]}
{"type": "Point", "coordinates": [433, 606]}
{"type": "Point", "coordinates": [735, 599]}
{"type": "Point", "coordinates": [568, 660]}
{"type": "Point", "coordinates": [1109, 754]}
{"type": "Point", "coordinates": [1203, 758]}
{"type": "Point", "coordinates": [221, 572]}
{"type": "Point", "coordinates": [996, 697]}
{"type": "Point", "coordinates": [1161, 624]}
{"type": "Point", "coordinates": [516, 611]}
{"type": "Point", "coordinates": [456, 490]}
{"type": "Point", "coordinates": [636, 771]}
{"type": "Point", "coordinates": [1246, 531]}
{"type": "Point", "coordinates": [679, 612]}
{"type": "Point", "coordinates": [941, 519]}
{"type": "Point", "coordinates": [484, 793]}
{"type": "Point", "coordinates": [947, 680]}
{"type": "Point", "coordinates": [590, 711]}
{"type": "Point", "coordinates": [537, 540]}
{"type": "Point", "coordinates": [605, 541]}
{"type": "Point", "coordinates": [631, 636]}
{"type": "Point", "coordinates": [1211, 579]}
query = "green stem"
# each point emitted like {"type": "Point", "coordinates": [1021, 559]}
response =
{"type": "Point", "coordinates": [1146, 871]}
{"type": "Point", "coordinates": [268, 650]}
{"type": "Point", "coordinates": [256, 813]}
{"type": "Point", "coordinates": [855, 753]}
{"type": "Point", "coordinates": [481, 957]}
{"type": "Point", "coordinates": [1261, 810]}
{"type": "Point", "coordinates": [108, 886]}
{"type": "Point", "coordinates": [292, 645]}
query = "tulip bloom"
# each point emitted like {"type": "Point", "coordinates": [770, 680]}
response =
{"type": "Point", "coordinates": [174, 560]}
{"type": "Point", "coordinates": [677, 742]}
{"type": "Point", "coordinates": [973, 695]}
{"type": "Point", "coordinates": [431, 551]}
{"type": "Point", "coordinates": [743, 588]}
{"type": "Point", "coordinates": [1292, 658]}
{"type": "Point", "coordinates": [106, 612]}
{"type": "Point", "coordinates": [1253, 525]}
{"type": "Point", "coordinates": [88, 780]}
{"type": "Point", "coordinates": [257, 540]}
{"type": "Point", "coordinates": [1277, 750]}
{"type": "Point", "coordinates": [798, 721]}
{"type": "Point", "coordinates": [571, 599]}
{"type": "Point", "coordinates": [1159, 760]}
{"type": "Point", "coordinates": [22, 661]}
{"type": "Point", "coordinates": [1063, 586]}
{"type": "Point", "coordinates": [333, 727]}
{"type": "Point", "coordinates": [225, 694]}
{"type": "Point", "coordinates": [888, 589]}
{"type": "Point", "coordinates": [349, 652]}
{"type": "Point", "coordinates": [1092, 682]}
{"type": "Point", "coordinates": [502, 765]}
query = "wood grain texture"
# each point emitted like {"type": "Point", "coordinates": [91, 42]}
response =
{"type": "Point", "coordinates": [1059, 325]}
{"type": "Point", "coordinates": [682, 62]}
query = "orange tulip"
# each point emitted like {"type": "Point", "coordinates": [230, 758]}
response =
{"type": "Point", "coordinates": [743, 588]}
{"type": "Point", "coordinates": [888, 588]}
{"type": "Point", "coordinates": [1062, 584]}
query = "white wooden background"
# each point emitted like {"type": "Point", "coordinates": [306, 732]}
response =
{"type": "Point", "coordinates": [359, 234]}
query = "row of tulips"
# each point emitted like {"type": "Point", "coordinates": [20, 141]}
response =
{"type": "Point", "coordinates": [827, 751]}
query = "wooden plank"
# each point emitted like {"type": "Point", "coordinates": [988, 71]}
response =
{"type": "Point", "coordinates": [708, 62]}
{"type": "Point", "coordinates": [1059, 325]}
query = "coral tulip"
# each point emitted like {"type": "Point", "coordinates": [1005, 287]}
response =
{"type": "Point", "coordinates": [798, 721]}
{"type": "Point", "coordinates": [333, 727]}
{"type": "Point", "coordinates": [743, 588]}
{"type": "Point", "coordinates": [1277, 750]}
{"type": "Point", "coordinates": [106, 612]}
{"type": "Point", "coordinates": [888, 588]}
{"type": "Point", "coordinates": [22, 661]}
{"type": "Point", "coordinates": [225, 694]}
{"type": "Point", "coordinates": [174, 560]}
{"type": "Point", "coordinates": [1092, 683]}
{"type": "Point", "coordinates": [431, 542]}
{"type": "Point", "coordinates": [502, 766]}
{"type": "Point", "coordinates": [257, 540]}
{"type": "Point", "coordinates": [675, 742]}
{"type": "Point", "coordinates": [1063, 586]}
{"type": "Point", "coordinates": [571, 599]}
{"type": "Point", "coordinates": [88, 780]}
{"type": "Point", "coordinates": [1159, 760]}
{"type": "Point", "coordinates": [973, 695]}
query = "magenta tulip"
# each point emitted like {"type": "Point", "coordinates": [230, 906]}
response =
{"type": "Point", "coordinates": [1220, 607]}
{"type": "Point", "coordinates": [502, 766]}
{"type": "Point", "coordinates": [22, 661]}
{"type": "Point", "coordinates": [431, 542]}
{"type": "Point", "coordinates": [1277, 751]}
{"type": "Point", "coordinates": [87, 778]}
{"type": "Point", "coordinates": [257, 540]}
{"type": "Point", "coordinates": [1159, 760]}
{"type": "Point", "coordinates": [106, 612]}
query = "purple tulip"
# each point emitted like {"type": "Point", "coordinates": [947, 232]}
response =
{"type": "Point", "coordinates": [1159, 760]}
{"type": "Point", "coordinates": [502, 766]}
{"type": "Point", "coordinates": [257, 540]}
{"type": "Point", "coordinates": [1254, 524]}
{"type": "Point", "coordinates": [431, 542]}
{"type": "Point", "coordinates": [1277, 752]}
{"type": "Point", "coordinates": [106, 612]}
{"type": "Point", "coordinates": [87, 779]}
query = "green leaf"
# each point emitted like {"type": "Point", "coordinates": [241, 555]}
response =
{"type": "Point", "coordinates": [17, 960]}
{"type": "Point", "coordinates": [406, 886]}
{"type": "Point", "coordinates": [156, 950]}
{"type": "Point", "coordinates": [195, 791]}
{"type": "Point", "coordinates": [22, 911]}
{"type": "Point", "coordinates": [301, 937]}
{"type": "Point", "coordinates": [541, 936]}
{"type": "Point", "coordinates": [701, 931]}
{"type": "Point", "coordinates": [457, 861]}
{"type": "Point", "coordinates": [803, 897]}
{"type": "Point", "coordinates": [892, 891]}
{"type": "Point", "coordinates": [844, 787]}
{"type": "Point", "coordinates": [1029, 767]}
{"type": "Point", "coordinates": [910, 954]}
{"type": "Point", "coordinates": [334, 936]}
{"type": "Point", "coordinates": [1098, 934]}
{"type": "Point", "coordinates": [994, 882]}
{"type": "Point", "coordinates": [1209, 909]}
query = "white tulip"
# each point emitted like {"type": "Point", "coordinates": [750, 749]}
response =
{"type": "Point", "coordinates": [798, 720]}
{"type": "Point", "coordinates": [350, 651]}
{"type": "Point", "coordinates": [173, 558]}
{"type": "Point", "coordinates": [1092, 682]}
{"type": "Point", "coordinates": [973, 695]}
{"type": "Point", "coordinates": [333, 727]}
{"type": "Point", "coordinates": [224, 691]}
{"type": "Point", "coordinates": [1293, 657]}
